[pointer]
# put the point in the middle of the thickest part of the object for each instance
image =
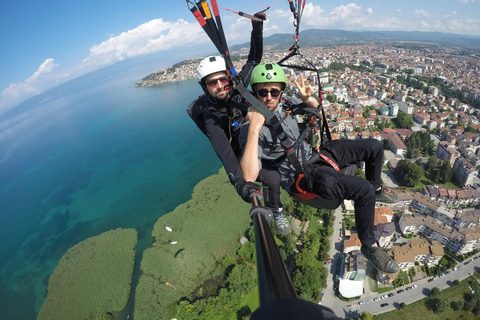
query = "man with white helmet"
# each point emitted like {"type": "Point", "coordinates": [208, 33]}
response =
{"type": "Point", "coordinates": [219, 114]}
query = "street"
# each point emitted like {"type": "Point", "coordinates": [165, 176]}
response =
{"type": "Point", "coordinates": [349, 310]}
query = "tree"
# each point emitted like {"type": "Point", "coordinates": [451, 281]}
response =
{"type": "Point", "coordinates": [410, 153]}
{"type": "Point", "coordinates": [434, 291]}
{"type": "Point", "coordinates": [438, 305]}
{"type": "Point", "coordinates": [408, 173]}
{"type": "Point", "coordinates": [411, 272]}
{"type": "Point", "coordinates": [398, 282]}
{"type": "Point", "coordinates": [304, 212]}
{"type": "Point", "coordinates": [244, 313]}
{"type": "Point", "coordinates": [309, 281]}
{"type": "Point", "coordinates": [417, 153]}
{"type": "Point", "coordinates": [404, 120]}
{"type": "Point", "coordinates": [446, 171]}
{"type": "Point", "coordinates": [418, 162]}
{"type": "Point", "coordinates": [386, 145]}
{"type": "Point", "coordinates": [456, 305]}
{"type": "Point", "coordinates": [365, 316]}
{"type": "Point", "coordinates": [247, 252]}
{"type": "Point", "coordinates": [469, 305]}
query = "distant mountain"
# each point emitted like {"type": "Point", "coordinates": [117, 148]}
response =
{"type": "Point", "coordinates": [321, 37]}
{"type": "Point", "coordinates": [308, 38]}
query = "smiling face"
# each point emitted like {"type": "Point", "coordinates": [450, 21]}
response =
{"type": "Point", "coordinates": [216, 83]}
{"type": "Point", "coordinates": [269, 93]}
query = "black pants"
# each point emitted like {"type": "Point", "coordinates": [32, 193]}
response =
{"type": "Point", "coordinates": [330, 184]}
{"type": "Point", "coordinates": [270, 179]}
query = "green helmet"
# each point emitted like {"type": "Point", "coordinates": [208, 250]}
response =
{"type": "Point", "coordinates": [268, 72]}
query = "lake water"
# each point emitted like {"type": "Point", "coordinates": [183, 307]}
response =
{"type": "Point", "coordinates": [89, 156]}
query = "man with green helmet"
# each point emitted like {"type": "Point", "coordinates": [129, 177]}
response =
{"type": "Point", "coordinates": [262, 148]}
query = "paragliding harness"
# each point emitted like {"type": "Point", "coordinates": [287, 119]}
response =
{"type": "Point", "coordinates": [214, 30]}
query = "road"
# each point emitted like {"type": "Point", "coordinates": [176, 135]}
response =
{"type": "Point", "coordinates": [388, 179]}
{"type": "Point", "coordinates": [350, 310]}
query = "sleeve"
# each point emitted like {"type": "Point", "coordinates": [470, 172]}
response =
{"type": "Point", "coordinates": [194, 111]}
{"type": "Point", "coordinates": [219, 141]}
{"type": "Point", "coordinates": [256, 51]}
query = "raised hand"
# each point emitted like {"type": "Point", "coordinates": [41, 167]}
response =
{"type": "Point", "coordinates": [306, 93]}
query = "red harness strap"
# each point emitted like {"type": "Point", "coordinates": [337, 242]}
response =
{"type": "Point", "coordinates": [306, 195]}
{"type": "Point", "coordinates": [330, 162]}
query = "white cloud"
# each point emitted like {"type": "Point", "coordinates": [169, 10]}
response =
{"type": "Point", "coordinates": [158, 35]}
{"type": "Point", "coordinates": [422, 13]}
{"type": "Point", "coordinates": [41, 80]}
{"type": "Point", "coordinates": [347, 17]}
{"type": "Point", "coordinates": [152, 36]}
{"type": "Point", "coordinates": [155, 35]}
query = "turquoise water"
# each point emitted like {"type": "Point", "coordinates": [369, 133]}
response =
{"type": "Point", "coordinates": [89, 156]}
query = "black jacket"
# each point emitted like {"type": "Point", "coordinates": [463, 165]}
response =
{"type": "Point", "coordinates": [220, 121]}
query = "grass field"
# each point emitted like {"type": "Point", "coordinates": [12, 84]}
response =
{"type": "Point", "coordinates": [425, 181]}
{"type": "Point", "coordinates": [418, 310]}
{"type": "Point", "coordinates": [205, 229]}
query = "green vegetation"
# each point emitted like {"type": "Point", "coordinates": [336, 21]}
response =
{"type": "Point", "coordinates": [208, 274]}
{"type": "Point", "coordinates": [337, 66]}
{"type": "Point", "coordinates": [231, 301]}
{"type": "Point", "coordinates": [408, 173]}
{"type": "Point", "coordinates": [420, 141]}
{"type": "Point", "coordinates": [438, 171]}
{"type": "Point", "coordinates": [416, 175]}
{"type": "Point", "coordinates": [195, 269]}
{"type": "Point", "coordinates": [403, 120]}
{"type": "Point", "coordinates": [456, 302]}
{"type": "Point", "coordinates": [92, 278]}
{"type": "Point", "coordinates": [401, 280]}
{"type": "Point", "coordinates": [207, 228]}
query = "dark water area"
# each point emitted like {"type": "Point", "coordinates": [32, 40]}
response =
{"type": "Point", "coordinates": [90, 156]}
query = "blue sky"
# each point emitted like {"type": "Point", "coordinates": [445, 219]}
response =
{"type": "Point", "coordinates": [45, 43]}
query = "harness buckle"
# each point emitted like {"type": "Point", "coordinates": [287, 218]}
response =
{"type": "Point", "coordinates": [304, 195]}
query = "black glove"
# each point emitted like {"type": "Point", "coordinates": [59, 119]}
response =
{"type": "Point", "coordinates": [260, 15]}
{"type": "Point", "coordinates": [245, 189]}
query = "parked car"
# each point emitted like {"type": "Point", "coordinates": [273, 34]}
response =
{"type": "Point", "coordinates": [400, 291]}
{"type": "Point", "coordinates": [384, 296]}
{"type": "Point", "coordinates": [391, 294]}
{"type": "Point", "coordinates": [384, 305]}
{"type": "Point", "coordinates": [376, 299]}
{"type": "Point", "coordinates": [414, 286]}
{"type": "Point", "coordinates": [361, 302]}
{"type": "Point", "coordinates": [408, 288]}
{"type": "Point", "coordinates": [431, 279]}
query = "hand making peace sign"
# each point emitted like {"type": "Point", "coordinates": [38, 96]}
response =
{"type": "Point", "coordinates": [306, 93]}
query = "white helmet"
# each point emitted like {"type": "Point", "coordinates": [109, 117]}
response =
{"type": "Point", "coordinates": [210, 65]}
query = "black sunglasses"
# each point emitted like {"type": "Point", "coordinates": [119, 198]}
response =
{"type": "Point", "coordinates": [264, 92]}
{"type": "Point", "coordinates": [213, 82]}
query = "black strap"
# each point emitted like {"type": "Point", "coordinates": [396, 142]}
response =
{"type": "Point", "coordinates": [202, 13]}
{"type": "Point", "coordinates": [295, 50]}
